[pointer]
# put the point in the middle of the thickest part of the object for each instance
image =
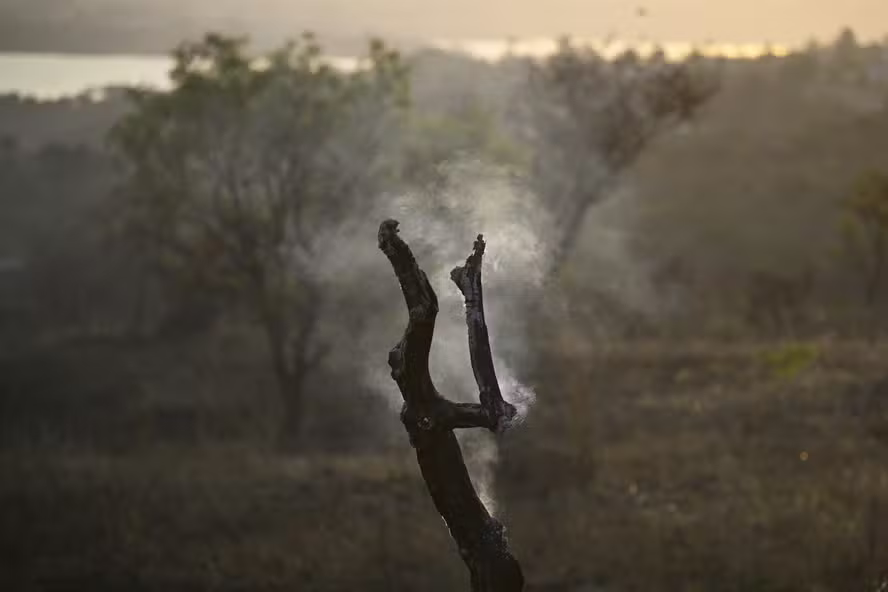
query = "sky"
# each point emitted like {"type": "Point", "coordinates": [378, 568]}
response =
{"type": "Point", "coordinates": [156, 25]}
{"type": "Point", "coordinates": [779, 21]}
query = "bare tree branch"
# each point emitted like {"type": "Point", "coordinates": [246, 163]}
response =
{"type": "Point", "coordinates": [468, 280]}
{"type": "Point", "coordinates": [430, 419]}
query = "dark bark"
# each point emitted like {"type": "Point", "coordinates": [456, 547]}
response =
{"type": "Point", "coordinates": [293, 399]}
{"type": "Point", "coordinates": [292, 359]}
{"type": "Point", "coordinates": [430, 419]}
{"type": "Point", "coordinates": [289, 382]}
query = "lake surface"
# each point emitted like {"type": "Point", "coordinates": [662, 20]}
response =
{"type": "Point", "coordinates": [55, 75]}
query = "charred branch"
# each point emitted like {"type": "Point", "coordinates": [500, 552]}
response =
{"type": "Point", "coordinates": [430, 419]}
{"type": "Point", "coordinates": [468, 279]}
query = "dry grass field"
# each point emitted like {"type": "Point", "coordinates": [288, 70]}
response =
{"type": "Point", "coordinates": [644, 466]}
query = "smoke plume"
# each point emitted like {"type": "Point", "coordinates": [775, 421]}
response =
{"type": "Point", "coordinates": [440, 223]}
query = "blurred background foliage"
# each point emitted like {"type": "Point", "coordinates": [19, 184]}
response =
{"type": "Point", "coordinates": [182, 407]}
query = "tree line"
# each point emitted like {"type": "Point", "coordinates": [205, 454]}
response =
{"type": "Point", "coordinates": [209, 202]}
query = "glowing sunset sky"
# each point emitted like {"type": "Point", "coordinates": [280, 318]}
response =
{"type": "Point", "coordinates": [156, 25]}
{"type": "Point", "coordinates": [788, 21]}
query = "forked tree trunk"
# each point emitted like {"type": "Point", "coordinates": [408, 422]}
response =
{"type": "Point", "coordinates": [430, 419]}
{"type": "Point", "coordinates": [292, 364]}
{"type": "Point", "coordinates": [288, 384]}
{"type": "Point", "coordinates": [293, 417]}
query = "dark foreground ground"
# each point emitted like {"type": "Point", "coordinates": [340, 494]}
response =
{"type": "Point", "coordinates": [645, 466]}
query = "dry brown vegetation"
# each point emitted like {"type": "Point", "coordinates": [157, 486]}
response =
{"type": "Point", "coordinates": [697, 466]}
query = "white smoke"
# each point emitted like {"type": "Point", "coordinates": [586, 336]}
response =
{"type": "Point", "coordinates": [440, 224]}
{"type": "Point", "coordinates": [479, 199]}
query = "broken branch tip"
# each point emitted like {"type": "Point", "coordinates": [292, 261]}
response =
{"type": "Point", "coordinates": [387, 231]}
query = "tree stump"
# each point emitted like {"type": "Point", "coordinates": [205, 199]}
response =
{"type": "Point", "coordinates": [430, 419]}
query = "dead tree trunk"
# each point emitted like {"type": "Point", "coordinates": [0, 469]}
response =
{"type": "Point", "coordinates": [430, 419]}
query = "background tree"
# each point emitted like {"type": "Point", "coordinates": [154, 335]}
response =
{"type": "Point", "coordinates": [591, 118]}
{"type": "Point", "coordinates": [233, 173]}
{"type": "Point", "coordinates": [468, 130]}
{"type": "Point", "coordinates": [865, 232]}
{"type": "Point", "coordinates": [51, 224]}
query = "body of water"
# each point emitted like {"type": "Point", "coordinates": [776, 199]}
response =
{"type": "Point", "coordinates": [56, 75]}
